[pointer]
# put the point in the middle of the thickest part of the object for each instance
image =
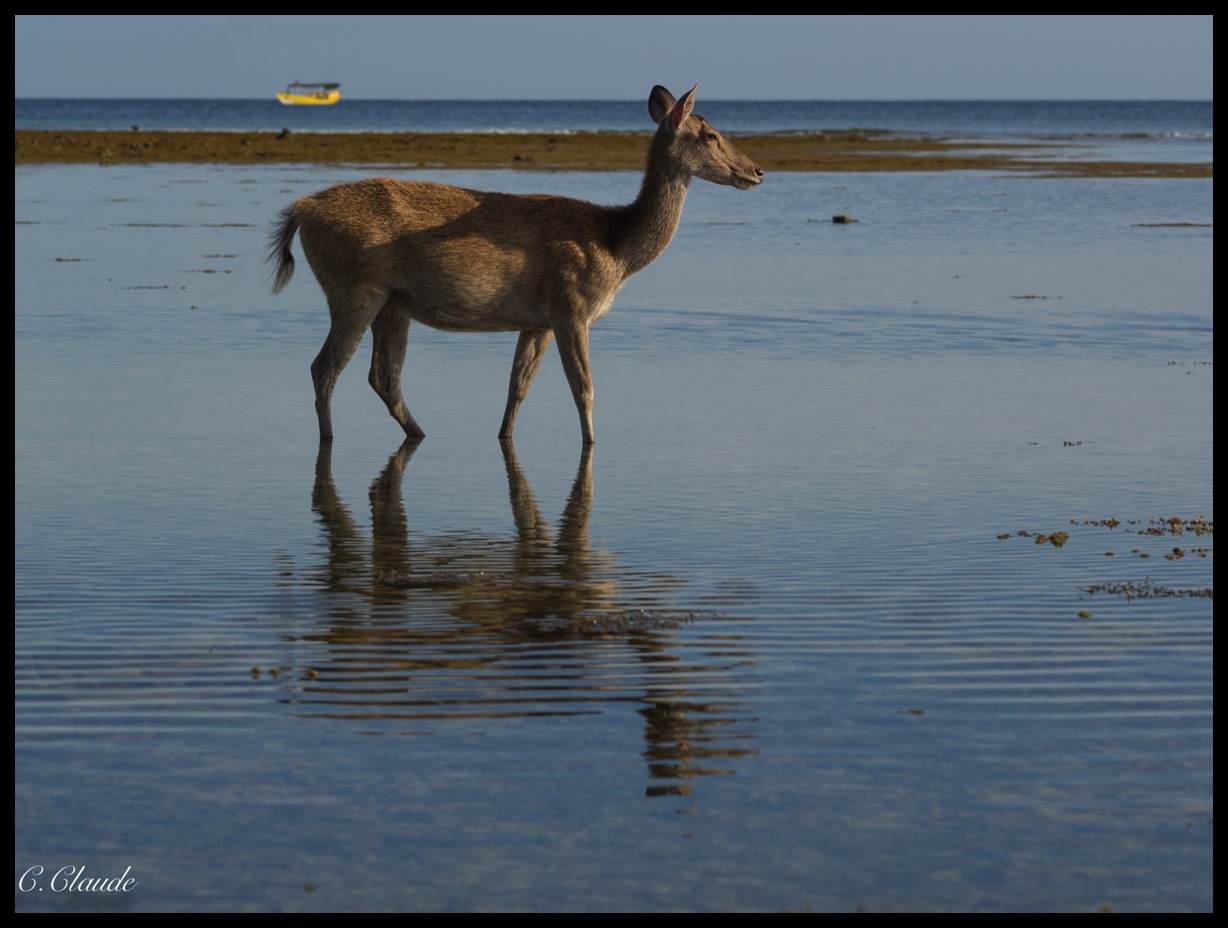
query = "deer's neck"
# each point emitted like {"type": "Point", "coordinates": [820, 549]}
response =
{"type": "Point", "coordinates": [648, 224]}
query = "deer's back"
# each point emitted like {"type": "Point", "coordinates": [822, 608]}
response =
{"type": "Point", "coordinates": [462, 258]}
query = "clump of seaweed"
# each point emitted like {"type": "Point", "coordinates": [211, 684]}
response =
{"type": "Point", "coordinates": [622, 621]}
{"type": "Point", "coordinates": [437, 578]}
{"type": "Point", "coordinates": [1057, 539]}
{"type": "Point", "coordinates": [1145, 589]}
{"type": "Point", "coordinates": [1172, 526]}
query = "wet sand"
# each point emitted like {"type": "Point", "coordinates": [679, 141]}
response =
{"type": "Point", "coordinates": [581, 151]}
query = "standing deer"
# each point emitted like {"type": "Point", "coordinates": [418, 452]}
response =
{"type": "Point", "coordinates": [387, 252]}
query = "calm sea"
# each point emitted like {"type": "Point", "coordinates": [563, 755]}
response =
{"type": "Point", "coordinates": [886, 586]}
{"type": "Point", "coordinates": [1154, 129]}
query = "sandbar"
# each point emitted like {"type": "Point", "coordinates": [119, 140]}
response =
{"type": "Point", "coordinates": [573, 151]}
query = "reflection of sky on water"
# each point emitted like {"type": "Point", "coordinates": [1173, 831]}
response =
{"type": "Point", "coordinates": [811, 437]}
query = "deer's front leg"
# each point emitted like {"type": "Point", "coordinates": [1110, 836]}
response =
{"type": "Point", "coordinates": [530, 349]}
{"type": "Point", "coordinates": [573, 348]}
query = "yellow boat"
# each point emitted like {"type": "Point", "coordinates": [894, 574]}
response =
{"type": "Point", "coordinates": [310, 94]}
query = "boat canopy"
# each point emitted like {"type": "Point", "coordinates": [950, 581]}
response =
{"type": "Point", "coordinates": [298, 86]}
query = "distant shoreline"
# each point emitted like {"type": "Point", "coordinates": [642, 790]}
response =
{"type": "Point", "coordinates": [546, 151]}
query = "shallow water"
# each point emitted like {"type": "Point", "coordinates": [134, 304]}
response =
{"type": "Point", "coordinates": [762, 649]}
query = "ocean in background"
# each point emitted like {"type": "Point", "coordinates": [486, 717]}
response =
{"type": "Point", "coordinates": [1157, 130]}
{"type": "Point", "coordinates": [886, 586]}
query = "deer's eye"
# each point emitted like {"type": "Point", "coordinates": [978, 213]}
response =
{"type": "Point", "coordinates": [710, 136]}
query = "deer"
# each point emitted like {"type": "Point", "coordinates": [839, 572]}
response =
{"type": "Point", "coordinates": [388, 252]}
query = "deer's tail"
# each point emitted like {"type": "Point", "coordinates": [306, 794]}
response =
{"type": "Point", "coordinates": [279, 247]}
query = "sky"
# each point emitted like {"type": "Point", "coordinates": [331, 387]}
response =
{"type": "Point", "coordinates": [619, 57]}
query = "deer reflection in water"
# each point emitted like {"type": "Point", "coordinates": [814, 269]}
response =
{"type": "Point", "coordinates": [487, 626]}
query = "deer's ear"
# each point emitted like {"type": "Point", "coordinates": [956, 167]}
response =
{"type": "Point", "coordinates": [660, 102]}
{"type": "Point", "coordinates": [682, 109]}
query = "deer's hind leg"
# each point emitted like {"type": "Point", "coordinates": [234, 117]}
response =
{"type": "Point", "coordinates": [390, 332]}
{"type": "Point", "coordinates": [351, 315]}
